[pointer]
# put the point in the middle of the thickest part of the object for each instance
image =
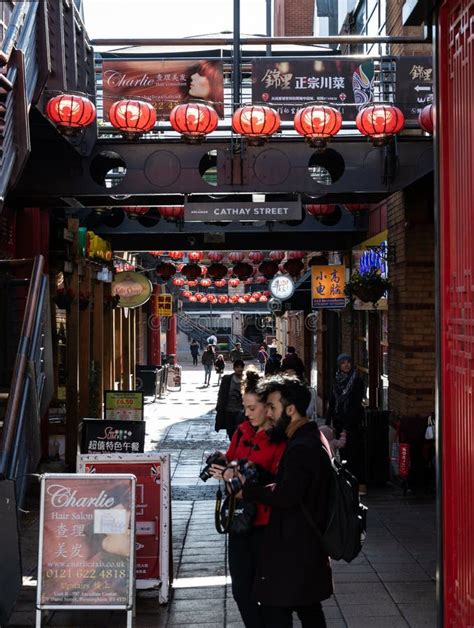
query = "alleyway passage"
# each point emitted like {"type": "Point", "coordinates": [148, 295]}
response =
{"type": "Point", "coordinates": [390, 584]}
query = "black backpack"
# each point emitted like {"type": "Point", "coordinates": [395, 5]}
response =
{"type": "Point", "coordinates": [345, 528]}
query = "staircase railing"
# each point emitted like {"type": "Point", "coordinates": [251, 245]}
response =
{"type": "Point", "coordinates": [31, 386]}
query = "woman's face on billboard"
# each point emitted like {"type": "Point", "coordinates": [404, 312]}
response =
{"type": "Point", "coordinates": [200, 86]}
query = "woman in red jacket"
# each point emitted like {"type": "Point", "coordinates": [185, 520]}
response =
{"type": "Point", "coordinates": [252, 441]}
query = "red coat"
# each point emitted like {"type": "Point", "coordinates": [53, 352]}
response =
{"type": "Point", "coordinates": [256, 447]}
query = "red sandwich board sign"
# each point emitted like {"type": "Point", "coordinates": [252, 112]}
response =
{"type": "Point", "coordinates": [86, 556]}
{"type": "Point", "coordinates": [153, 512]}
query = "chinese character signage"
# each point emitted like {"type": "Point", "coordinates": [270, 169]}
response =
{"type": "Point", "coordinates": [238, 212]}
{"type": "Point", "coordinates": [134, 289]}
{"type": "Point", "coordinates": [153, 512]}
{"type": "Point", "coordinates": [163, 83]}
{"type": "Point", "coordinates": [289, 85]}
{"type": "Point", "coordinates": [282, 287]}
{"type": "Point", "coordinates": [164, 305]}
{"type": "Point", "coordinates": [414, 87]}
{"type": "Point", "coordinates": [86, 545]}
{"type": "Point", "coordinates": [124, 405]}
{"type": "Point", "coordinates": [108, 437]}
{"type": "Point", "coordinates": [327, 286]}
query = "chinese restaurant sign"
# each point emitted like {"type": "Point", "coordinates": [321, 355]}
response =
{"type": "Point", "coordinates": [238, 212]}
{"type": "Point", "coordinates": [107, 437]}
{"type": "Point", "coordinates": [86, 544]}
{"type": "Point", "coordinates": [414, 86]}
{"type": "Point", "coordinates": [290, 84]}
{"type": "Point", "coordinates": [164, 83]}
{"type": "Point", "coordinates": [134, 289]}
{"type": "Point", "coordinates": [153, 512]}
{"type": "Point", "coordinates": [124, 405]}
{"type": "Point", "coordinates": [327, 286]}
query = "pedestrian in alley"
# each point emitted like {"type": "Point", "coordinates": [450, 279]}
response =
{"type": "Point", "coordinates": [236, 353]}
{"type": "Point", "coordinates": [194, 348]}
{"type": "Point", "coordinates": [251, 441]}
{"type": "Point", "coordinates": [212, 340]}
{"type": "Point", "coordinates": [208, 359]}
{"type": "Point", "coordinates": [262, 357]}
{"type": "Point", "coordinates": [345, 415]}
{"type": "Point", "coordinates": [229, 408]}
{"type": "Point", "coordinates": [293, 571]}
{"type": "Point", "coordinates": [219, 365]}
{"type": "Point", "coordinates": [273, 364]}
{"type": "Point", "coordinates": [293, 361]}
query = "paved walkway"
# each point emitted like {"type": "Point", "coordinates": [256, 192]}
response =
{"type": "Point", "coordinates": [392, 583]}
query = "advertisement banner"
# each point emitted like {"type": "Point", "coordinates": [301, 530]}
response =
{"type": "Point", "coordinates": [124, 405]}
{"type": "Point", "coordinates": [290, 84]}
{"type": "Point", "coordinates": [327, 286]}
{"type": "Point", "coordinates": [107, 437]}
{"type": "Point", "coordinates": [414, 85]}
{"type": "Point", "coordinates": [164, 83]}
{"type": "Point", "coordinates": [153, 511]}
{"type": "Point", "coordinates": [242, 212]}
{"type": "Point", "coordinates": [86, 544]}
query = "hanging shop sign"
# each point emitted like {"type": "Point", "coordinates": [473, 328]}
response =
{"type": "Point", "coordinates": [327, 286]}
{"type": "Point", "coordinates": [414, 85]}
{"type": "Point", "coordinates": [123, 405]}
{"type": "Point", "coordinates": [242, 212]}
{"type": "Point", "coordinates": [164, 83]}
{"type": "Point", "coordinates": [134, 289]}
{"type": "Point", "coordinates": [153, 512]}
{"type": "Point", "coordinates": [163, 305]}
{"type": "Point", "coordinates": [290, 84]}
{"type": "Point", "coordinates": [105, 436]}
{"type": "Point", "coordinates": [282, 287]}
{"type": "Point", "coordinates": [86, 542]}
{"type": "Point", "coordinates": [372, 254]}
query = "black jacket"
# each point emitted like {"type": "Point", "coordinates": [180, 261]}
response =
{"type": "Point", "coordinates": [222, 401]}
{"type": "Point", "coordinates": [351, 417]}
{"type": "Point", "coordinates": [293, 569]}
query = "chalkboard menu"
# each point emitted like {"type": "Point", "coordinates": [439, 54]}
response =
{"type": "Point", "coordinates": [112, 437]}
{"type": "Point", "coordinates": [86, 545]}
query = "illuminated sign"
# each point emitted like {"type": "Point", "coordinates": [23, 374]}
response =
{"type": "Point", "coordinates": [327, 286]}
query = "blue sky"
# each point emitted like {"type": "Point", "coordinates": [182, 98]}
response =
{"type": "Point", "coordinates": [169, 18]}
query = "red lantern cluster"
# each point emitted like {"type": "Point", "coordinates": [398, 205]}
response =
{"type": "Point", "coordinates": [194, 121]}
{"type": "Point", "coordinates": [176, 254]}
{"type": "Point", "coordinates": [171, 212]}
{"type": "Point", "coordinates": [136, 211]}
{"type": "Point", "coordinates": [195, 256]}
{"type": "Point", "coordinates": [296, 254]}
{"type": "Point", "coordinates": [317, 124]}
{"type": "Point", "coordinates": [236, 256]}
{"type": "Point", "coordinates": [380, 122]}
{"type": "Point", "coordinates": [191, 271]}
{"type": "Point", "coordinates": [205, 283]}
{"type": "Point", "coordinates": [255, 122]}
{"type": "Point", "coordinates": [242, 270]}
{"type": "Point", "coordinates": [70, 113]}
{"type": "Point", "coordinates": [233, 283]}
{"type": "Point", "coordinates": [426, 119]}
{"type": "Point", "coordinates": [216, 256]}
{"type": "Point", "coordinates": [220, 283]}
{"type": "Point", "coordinates": [277, 256]}
{"type": "Point", "coordinates": [217, 271]}
{"type": "Point", "coordinates": [256, 257]}
{"type": "Point", "coordinates": [165, 270]}
{"type": "Point", "coordinates": [269, 269]}
{"type": "Point", "coordinates": [178, 281]}
{"type": "Point", "coordinates": [317, 209]}
{"type": "Point", "coordinates": [132, 117]}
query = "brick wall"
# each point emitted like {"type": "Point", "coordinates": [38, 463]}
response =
{"type": "Point", "coordinates": [293, 17]}
{"type": "Point", "coordinates": [395, 27]}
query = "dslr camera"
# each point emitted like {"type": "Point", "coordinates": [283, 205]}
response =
{"type": "Point", "coordinates": [215, 458]}
{"type": "Point", "coordinates": [247, 469]}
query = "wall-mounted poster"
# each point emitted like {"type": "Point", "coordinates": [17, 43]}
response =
{"type": "Point", "coordinates": [164, 83]}
{"type": "Point", "coordinates": [414, 86]}
{"type": "Point", "coordinates": [290, 84]}
{"type": "Point", "coordinates": [86, 545]}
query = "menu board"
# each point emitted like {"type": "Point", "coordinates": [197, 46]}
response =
{"type": "Point", "coordinates": [123, 405]}
{"type": "Point", "coordinates": [86, 545]}
{"type": "Point", "coordinates": [104, 436]}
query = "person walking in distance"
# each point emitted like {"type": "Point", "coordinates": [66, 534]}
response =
{"type": "Point", "coordinates": [262, 357]}
{"type": "Point", "coordinates": [345, 415]}
{"type": "Point", "coordinates": [294, 362]}
{"type": "Point", "coordinates": [251, 441]}
{"type": "Point", "coordinates": [236, 353]}
{"type": "Point", "coordinates": [194, 348]}
{"type": "Point", "coordinates": [293, 570]}
{"type": "Point", "coordinates": [229, 409]}
{"type": "Point", "coordinates": [208, 358]}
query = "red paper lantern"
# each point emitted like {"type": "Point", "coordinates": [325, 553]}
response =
{"type": "Point", "coordinates": [260, 279]}
{"type": "Point", "coordinates": [195, 256]}
{"type": "Point", "coordinates": [199, 296]}
{"type": "Point", "coordinates": [186, 294]}
{"type": "Point", "coordinates": [256, 257]}
{"type": "Point", "coordinates": [293, 267]}
{"type": "Point", "coordinates": [178, 281]}
{"type": "Point", "coordinates": [175, 212]}
{"type": "Point", "coordinates": [317, 124]}
{"type": "Point", "coordinates": [204, 299]}
{"type": "Point", "coordinates": [269, 269]}
{"type": "Point", "coordinates": [203, 269]}
{"type": "Point", "coordinates": [212, 298]}
{"type": "Point", "coordinates": [296, 254]}
{"type": "Point", "coordinates": [194, 121]}
{"type": "Point", "coordinates": [175, 254]}
{"type": "Point", "coordinates": [256, 122]}
{"type": "Point", "coordinates": [256, 295]}
{"type": "Point", "coordinates": [70, 113]}
{"type": "Point", "coordinates": [205, 283]}
{"type": "Point", "coordinates": [233, 298]}
{"type": "Point", "coordinates": [241, 300]}
{"type": "Point", "coordinates": [193, 298]}
{"type": "Point", "coordinates": [242, 270]}
{"type": "Point", "coordinates": [155, 253]}
{"type": "Point", "coordinates": [191, 271]}
{"type": "Point", "coordinates": [223, 299]}
{"type": "Point", "coordinates": [165, 270]}
{"type": "Point", "coordinates": [220, 283]}
{"type": "Point", "coordinates": [216, 256]}
{"type": "Point", "coordinates": [217, 271]}
{"type": "Point", "coordinates": [277, 256]}
{"type": "Point", "coordinates": [249, 281]}
{"type": "Point", "coordinates": [136, 211]}
{"type": "Point", "coordinates": [263, 299]}
{"type": "Point", "coordinates": [132, 117]}
{"type": "Point", "coordinates": [380, 122]}
{"type": "Point", "coordinates": [192, 283]}
{"type": "Point", "coordinates": [317, 209]}
{"type": "Point", "coordinates": [236, 256]}
{"type": "Point", "coordinates": [426, 119]}
{"type": "Point", "coordinates": [233, 283]}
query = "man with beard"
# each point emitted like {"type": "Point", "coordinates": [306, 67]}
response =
{"type": "Point", "coordinates": [293, 572]}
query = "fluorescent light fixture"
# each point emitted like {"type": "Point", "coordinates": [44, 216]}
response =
{"type": "Point", "coordinates": [258, 198]}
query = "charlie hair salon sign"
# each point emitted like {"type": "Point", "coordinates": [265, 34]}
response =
{"type": "Point", "coordinates": [238, 212]}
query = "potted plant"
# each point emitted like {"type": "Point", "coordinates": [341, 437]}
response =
{"type": "Point", "coordinates": [369, 287]}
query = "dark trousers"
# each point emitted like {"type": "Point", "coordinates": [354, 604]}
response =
{"type": "Point", "coordinates": [243, 555]}
{"type": "Point", "coordinates": [232, 420]}
{"type": "Point", "coordinates": [195, 360]}
{"type": "Point", "coordinates": [354, 455]}
{"type": "Point", "coordinates": [281, 616]}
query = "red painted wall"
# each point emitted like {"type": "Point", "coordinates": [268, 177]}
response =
{"type": "Point", "coordinates": [456, 138]}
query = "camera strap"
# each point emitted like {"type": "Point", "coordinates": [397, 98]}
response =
{"type": "Point", "coordinates": [223, 516]}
